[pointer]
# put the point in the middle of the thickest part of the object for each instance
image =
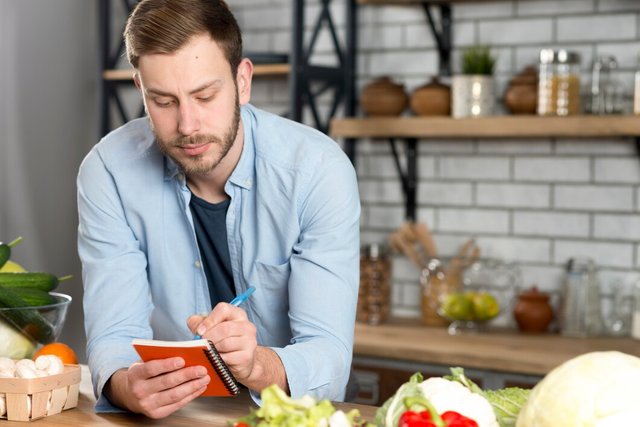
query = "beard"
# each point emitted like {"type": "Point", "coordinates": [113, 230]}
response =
{"type": "Point", "coordinates": [202, 164]}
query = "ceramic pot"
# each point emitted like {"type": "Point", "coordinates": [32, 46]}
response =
{"type": "Point", "coordinates": [383, 97]}
{"type": "Point", "coordinates": [532, 311]}
{"type": "Point", "coordinates": [472, 96]}
{"type": "Point", "coordinates": [432, 99]}
{"type": "Point", "coordinates": [521, 96]}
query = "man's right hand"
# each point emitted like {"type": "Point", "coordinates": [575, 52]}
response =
{"type": "Point", "coordinates": [156, 388]}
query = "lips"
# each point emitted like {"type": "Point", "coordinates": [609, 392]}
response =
{"type": "Point", "coordinates": [195, 150]}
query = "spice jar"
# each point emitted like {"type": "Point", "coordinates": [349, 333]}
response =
{"type": "Point", "coordinates": [435, 284]}
{"type": "Point", "coordinates": [558, 83]}
{"type": "Point", "coordinates": [532, 311]}
{"type": "Point", "coordinates": [374, 293]}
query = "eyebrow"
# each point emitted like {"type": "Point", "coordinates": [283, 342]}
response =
{"type": "Point", "coordinates": [151, 91]}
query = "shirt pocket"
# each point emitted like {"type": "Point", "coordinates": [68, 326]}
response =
{"type": "Point", "coordinates": [274, 281]}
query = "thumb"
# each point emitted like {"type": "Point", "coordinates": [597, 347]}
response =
{"type": "Point", "coordinates": [194, 321]}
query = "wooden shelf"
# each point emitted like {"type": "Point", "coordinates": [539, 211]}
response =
{"type": "Point", "coordinates": [262, 70]}
{"type": "Point", "coordinates": [487, 127]}
{"type": "Point", "coordinates": [414, 2]}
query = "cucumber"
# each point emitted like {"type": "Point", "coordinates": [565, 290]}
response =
{"type": "Point", "coordinates": [5, 250]}
{"type": "Point", "coordinates": [35, 297]}
{"type": "Point", "coordinates": [27, 321]}
{"type": "Point", "coordinates": [42, 281]}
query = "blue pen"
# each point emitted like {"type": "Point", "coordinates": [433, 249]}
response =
{"type": "Point", "coordinates": [236, 302]}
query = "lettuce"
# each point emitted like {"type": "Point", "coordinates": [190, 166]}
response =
{"type": "Point", "coordinates": [389, 413]}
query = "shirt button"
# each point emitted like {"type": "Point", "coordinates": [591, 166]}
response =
{"type": "Point", "coordinates": [198, 264]}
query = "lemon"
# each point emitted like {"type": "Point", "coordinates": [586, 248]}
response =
{"type": "Point", "coordinates": [485, 306]}
{"type": "Point", "coordinates": [457, 306]}
{"type": "Point", "coordinates": [12, 267]}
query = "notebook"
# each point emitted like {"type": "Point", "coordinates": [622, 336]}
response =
{"type": "Point", "coordinates": [194, 352]}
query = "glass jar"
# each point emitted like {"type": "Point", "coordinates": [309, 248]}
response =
{"type": "Point", "coordinates": [558, 83]}
{"type": "Point", "coordinates": [580, 314]}
{"type": "Point", "coordinates": [374, 293]}
{"type": "Point", "coordinates": [434, 285]}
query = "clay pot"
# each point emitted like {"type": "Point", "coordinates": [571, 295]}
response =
{"type": "Point", "coordinates": [432, 99]}
{"type": "Point", "coordinates": [382, 97]}
{"type": "Point", "coordinates": [532, 312]}
{"type": "Point", "coordinates": [521, 96]}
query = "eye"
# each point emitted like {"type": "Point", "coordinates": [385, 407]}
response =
{"type": "Point", "coordinates": [206, 98]}
{"type": "Point", "coordinates": [162, 102]}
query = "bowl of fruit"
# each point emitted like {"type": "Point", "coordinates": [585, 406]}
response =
{"type": "Point", "coordinates": [32, 314]}
{"type": "Point", "coordinates": [467, 310]}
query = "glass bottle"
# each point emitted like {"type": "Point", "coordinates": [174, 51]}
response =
{"type": "Point", "coordinates": [374, 293]}
{"type": "Point", "coordinates": [558, 83]}
{"type": "Point", "coordinates": [635, 316]}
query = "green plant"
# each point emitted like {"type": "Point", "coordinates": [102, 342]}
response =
{"type": "Point", "coordinates": [478, 60]}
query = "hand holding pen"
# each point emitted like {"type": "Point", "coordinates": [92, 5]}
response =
{"type": "Point", "coordinates": [236, 302]}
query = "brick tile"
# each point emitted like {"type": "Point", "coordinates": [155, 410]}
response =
{"type": "Point", "coordinates": [625, 170]}
{"type": "Point", "coordinates": [596, 198]}
{"type": "Point", "coordinates": [513, 195]}
{"type": "Point", "coordinates": [596, 28]}
{"type": "Point", "coordinates": [604, 254]}
{"type": "Point", "coordinates": [551, 224]}
{"type": "Point", "coordinates": [515, 249]}
{"type": "Point", "coordinates": [473, 220]}
{"type": "Point", "coordinates": [552, 169]}
{"type": "Point", "coordinates": [623, 227]}
{"type": "Point", "coordinates": [521, 31]}
{"type": "Point", "coordinates": [464, 167]}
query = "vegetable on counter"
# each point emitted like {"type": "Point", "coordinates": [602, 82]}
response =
{"type": "Point", "coordinates": [455, 393]}
{"type": "Point", "coordinates": [421, 413]}
{"type": "Point", "coordinates": [280, 410]}
{"type": "Point", "coordinates": [596, 389]}
{"type": "Point", "coordinates": [5, 250]}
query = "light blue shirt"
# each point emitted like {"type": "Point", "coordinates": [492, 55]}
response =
{"type": "Point", "coordinates": [293, 232]}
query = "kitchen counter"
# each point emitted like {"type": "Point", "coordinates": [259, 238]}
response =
{"type": "Point", "coordinates": [205, 411]}
{"type": "Point", "coordinates": [496, 351]}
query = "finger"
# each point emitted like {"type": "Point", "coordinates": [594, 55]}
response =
{"type": "Point", "coordinates": [169, 408]}
{"type": "Point", "coordinates": [194, 321]}
{"type": "Point", "coordinates": [179, 392]}
{"type": "Point", "coordinates": [153, 368]}
{"type": "Point", "coordinates": [222, 312]}
{"type": "Point", "coordinates": [175, 379]}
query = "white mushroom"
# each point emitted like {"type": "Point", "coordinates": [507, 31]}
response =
{"type": "Point", "coordinates": [25, 371]}
{"type": "Point", "coordinates": [26, 362]}
{"type": "Point", "coordinates": [56, 366]}
{"type": "Point", "coordinates": [42, 362]}
{"type": "Point", "coordinates": [5, 373]}
{"type": "Point", "coordinates": [7, 364]}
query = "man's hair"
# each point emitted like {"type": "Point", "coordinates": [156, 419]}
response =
{"type": "Point", "coordinates": [165, 26]}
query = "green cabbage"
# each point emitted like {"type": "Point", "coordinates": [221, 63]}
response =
{"type": "Point", "coordinates": [597, 389]}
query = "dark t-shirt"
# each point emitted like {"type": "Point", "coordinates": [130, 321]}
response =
{"type": "Point", "coordinates": [209, 220]}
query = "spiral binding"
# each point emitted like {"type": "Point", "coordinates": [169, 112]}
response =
{"type": "Point", "coordinates": [222, 370]}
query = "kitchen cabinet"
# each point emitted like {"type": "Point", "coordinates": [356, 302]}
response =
{"type": "Point", "coordinates": [385, 356]}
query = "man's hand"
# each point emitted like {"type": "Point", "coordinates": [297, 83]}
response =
{"type": "Point", "coordinates": [156, 388]}
{"type": "Point", "coordinates": [235, 339]}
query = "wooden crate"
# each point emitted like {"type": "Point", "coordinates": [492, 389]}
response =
{"type": "Point", "coordinates": [30, 399]}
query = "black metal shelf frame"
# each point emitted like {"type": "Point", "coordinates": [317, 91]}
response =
{"type": "Point", "coordinates": [307, 82]}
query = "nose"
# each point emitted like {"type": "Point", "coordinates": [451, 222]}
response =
{"type": "Point", "coordinates": [188, 120]}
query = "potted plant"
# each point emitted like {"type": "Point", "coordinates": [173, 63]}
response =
{"type": "Point", "coordinates": [473, 91]}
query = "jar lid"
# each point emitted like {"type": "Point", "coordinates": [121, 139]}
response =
{"type": "Point", "coordinates": [550, 56]}
{"type": "Point", "coordinates": [375, 250]}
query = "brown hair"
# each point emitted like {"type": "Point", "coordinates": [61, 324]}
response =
{"type": "Point", "coordinates": [165, 26]}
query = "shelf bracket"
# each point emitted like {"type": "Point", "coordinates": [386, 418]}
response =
{"type": "Point", "coordinates": [408, 175]}
{"type": "Point", "coordinates": [441, 36]}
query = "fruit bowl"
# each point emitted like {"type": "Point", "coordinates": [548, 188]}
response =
{"type": "Point", "coordinates": [23, 329]}
{"type": "Point", "coordinates": [467, 310]}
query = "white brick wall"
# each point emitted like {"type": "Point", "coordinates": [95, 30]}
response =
{"type": "Point", "coordinates": [537, 202]}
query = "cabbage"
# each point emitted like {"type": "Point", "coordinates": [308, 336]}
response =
{"type": "Point", "coordinates": [597, 389]}
{"type": "Point", "coordinates": [13, 344]}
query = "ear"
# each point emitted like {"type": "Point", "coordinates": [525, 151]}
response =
{"type": "Point", "coordinates": [243, 80]}
{"type": "Point", "coordinates": [136, 80]}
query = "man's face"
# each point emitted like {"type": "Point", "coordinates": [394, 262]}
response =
{"type": "Point", "coordinates": [193, 103]}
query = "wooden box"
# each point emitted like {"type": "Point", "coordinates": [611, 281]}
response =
{"type": "Point", "coordinates": [30, 399]}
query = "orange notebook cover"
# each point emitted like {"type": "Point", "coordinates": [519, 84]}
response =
{"type": "Point", "coordinates": [194, 352]}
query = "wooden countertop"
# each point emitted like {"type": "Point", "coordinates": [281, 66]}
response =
{"type": "Point", "coordinates": [497, 351]}
{"type": "Point", "coordinates": [204, 411]}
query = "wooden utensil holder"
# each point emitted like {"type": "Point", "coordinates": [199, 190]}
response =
{"type": "Point", "coordinates": [33, 398]}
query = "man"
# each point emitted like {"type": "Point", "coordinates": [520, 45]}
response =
{"type": "Point", "coordinates": [186, 208]}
